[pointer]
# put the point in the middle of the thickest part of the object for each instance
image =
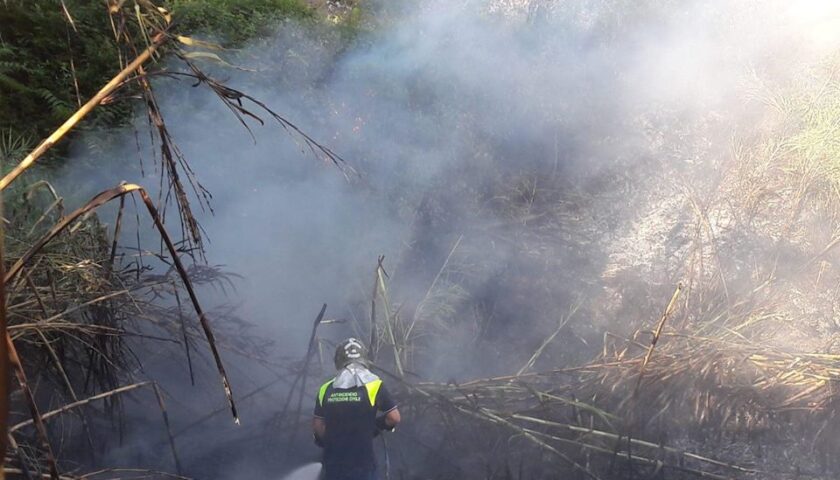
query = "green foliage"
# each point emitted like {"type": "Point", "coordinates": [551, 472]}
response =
{"type": "Point", "coordinates": [13, 148]}
{"type": "Point", "coordinates": [48, 65]}
{"type": "Point", "coordinates": [235, 21]}
{"type": "Point", "coordinates": [353, 24]}
{"type": "Point", "coordinates": [816, 141]}
{"type": "Point", "coordinates": [37, 46]}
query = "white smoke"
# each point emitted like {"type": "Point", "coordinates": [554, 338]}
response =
{"type": "Point", "coordinates": [442, 106]}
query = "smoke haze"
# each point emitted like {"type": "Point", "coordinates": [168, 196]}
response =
{"type": "Point", "coordinates": [515, 164]}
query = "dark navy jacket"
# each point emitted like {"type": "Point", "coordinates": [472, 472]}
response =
{"type": "Point", "coordinates": [350, 417]}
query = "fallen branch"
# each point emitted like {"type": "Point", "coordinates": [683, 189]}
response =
{"type": "Point", "coordinates": [71, 406]}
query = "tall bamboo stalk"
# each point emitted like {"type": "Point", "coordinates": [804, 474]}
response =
{"type": "Point", "coordinates": [14, 359]}
{"type": "Point", "coordinates": [202, 317]}
{"type": "Point", "coordinates": [656, 334]}
{"type": "Point", "coordinates": [4, 354]}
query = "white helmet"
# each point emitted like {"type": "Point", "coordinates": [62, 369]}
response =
{"type": "Point", "coordinates": [349, 351]}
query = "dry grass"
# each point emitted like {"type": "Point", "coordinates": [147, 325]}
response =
{"type": "Point", "coordinates": [737, 380]}
{"type": "Point", "coordinates": [74, 298]}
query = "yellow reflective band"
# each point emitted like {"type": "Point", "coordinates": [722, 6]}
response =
{"type": "Point", "coordinates": [373, 389]}
{"type": "Point", "coordinates": [323, 392]}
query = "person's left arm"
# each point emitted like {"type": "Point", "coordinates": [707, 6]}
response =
{"type": "Point", "coordinates": [391, 414]}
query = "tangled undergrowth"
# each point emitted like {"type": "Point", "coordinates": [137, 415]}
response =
{"type": "Point", "coordinates": [737, 379]}
{"type": "Point", "coordinates": [724, 368]}
{"type": "Point", "coordinates": [77, 298]}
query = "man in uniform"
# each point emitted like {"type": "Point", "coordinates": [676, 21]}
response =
{"type": "Point", "coordinates": [346, 421]}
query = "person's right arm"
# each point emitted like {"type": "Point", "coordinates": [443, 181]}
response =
{"type": "Point", "coordinates": [319, 423]}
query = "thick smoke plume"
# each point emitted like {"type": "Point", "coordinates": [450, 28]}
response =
{"type": "Point", "coordinates": [519, 164]}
